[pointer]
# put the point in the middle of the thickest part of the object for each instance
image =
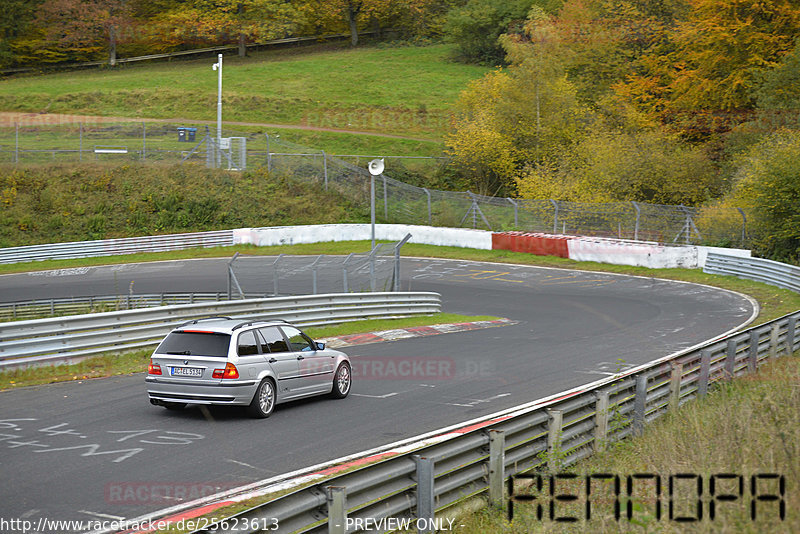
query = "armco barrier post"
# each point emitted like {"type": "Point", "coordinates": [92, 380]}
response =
{"type": "Point", "coordinates": [730, 358]}
{"type": "Point", "coordinates": [554, 439]}
{"type": "Point", "coordinates": [426, 505]}
{"type": "Point", "coordinates": [337, 509]}
{"type": "Point", "coordinates": [497, 460]}
{"type": "Point", "coordinates": [600, 420]}
{"type": "Point", "coordinates": [752, 352]}
{"type": "Point", "coordinates": [675, 385]}
{"type": "Point", "coordinates": [640, 405]}
{"type": "Point", "coordinates": [705, 371]}
{"type": "Point", "coordinates": [773, 341]}
{"type": "Point", "coordinates": [791, 326]}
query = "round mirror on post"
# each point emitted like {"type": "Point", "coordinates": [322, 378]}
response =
{"type": "Point", "coordinates": [375, 168]}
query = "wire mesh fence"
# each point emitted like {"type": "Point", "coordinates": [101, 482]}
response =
{"type": "Point", "coordinates": [378, 270]}
{"type": "Point", "coordinates": [395, 201]}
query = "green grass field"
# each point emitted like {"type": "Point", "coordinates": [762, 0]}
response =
{"type": "Point", "coordinates": [405, 91]}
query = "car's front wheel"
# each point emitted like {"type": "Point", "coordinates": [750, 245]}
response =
{"type": "Point", "coordinates": [263, 401]}
{"type": "Point", "coordinates": [342, 381]}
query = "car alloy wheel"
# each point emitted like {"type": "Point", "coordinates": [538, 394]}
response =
{"type": "Point", "coordinates": [342, 381]}
{"type": "Point", "coordinates": [264, 400]}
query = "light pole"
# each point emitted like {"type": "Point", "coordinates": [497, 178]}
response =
{"type": "Point", "coordinates": [375, 168]}
{"type": "Point", "coordinates": [218, 67]}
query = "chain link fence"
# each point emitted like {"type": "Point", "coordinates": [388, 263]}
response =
{"type": "Point", "coordinates": [396, 201]}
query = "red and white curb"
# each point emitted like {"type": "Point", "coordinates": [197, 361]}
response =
{"type": "Point", "coordinates": [406, 333]}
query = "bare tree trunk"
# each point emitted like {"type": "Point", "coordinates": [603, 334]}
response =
{"type": "Point", "coordinates": [112, 46]}
{"type": "Point", "coordinates": [242, 47]}
{"type": "Point", "coordinates": [353, 8]}
{"type": "Point", "coordinates": [351, 19]}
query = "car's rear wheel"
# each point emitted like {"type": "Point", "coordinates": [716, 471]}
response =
{"type": "Point", "coordinates": [263, 401]}
{"type": "Point", "coordinates": [342, 381]}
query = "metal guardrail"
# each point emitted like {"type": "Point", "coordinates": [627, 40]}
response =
{"type": "Point", "coordinates": [549, 434]}
{"type": "Point", "coordinates": [61, 339]}
{"type": "Point", "coordinates": [112, 247]}
{"type": "Point", "coordinates": [33, 309]}
{"type": "Point", "coordinates": [767, 271]}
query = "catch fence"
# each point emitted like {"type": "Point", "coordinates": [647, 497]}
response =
{"type": "Point", "coordinates": [395, 201]}
{"type": "Point", "coordinates": [377, 270]}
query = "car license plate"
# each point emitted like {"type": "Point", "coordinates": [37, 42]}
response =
{"type": "Point", "coordinates": [187, 371]}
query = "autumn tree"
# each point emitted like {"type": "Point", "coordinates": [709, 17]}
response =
{"type": "Point", "coordinates": [520, 116]}
{"type": "Point", "coordinates": [17, 16]}
{"type": "Point", "coordinates": [768, 186]}
{"type": "Point", "coordinates": [704, 80]}
{"type": "Point", "coordinates": [84, 26]}
{"type": "Point", "coordinates": [476, 27]}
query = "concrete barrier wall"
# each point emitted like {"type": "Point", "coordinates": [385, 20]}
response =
{"type": "Point", "coordinates": [614, 251]}
{"type": "Point", "coordinates": [603, 250]}
{"type": "Point", "coordinates": [427, 235]}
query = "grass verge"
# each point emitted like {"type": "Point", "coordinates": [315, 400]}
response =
{"type": "Point", "coordinates": [114, 364]}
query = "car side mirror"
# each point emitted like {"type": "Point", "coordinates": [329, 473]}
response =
{"type": "Point", "coordinates": [320, 346]}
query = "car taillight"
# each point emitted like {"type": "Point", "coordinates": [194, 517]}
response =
{"type": "Point", "coordinates": [153, 368]}
{"type": "Point", "coordinates": [230, 371]}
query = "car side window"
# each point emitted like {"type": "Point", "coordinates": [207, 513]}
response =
{"type": "Point", "coordinates": [298, 341]}
{"type": "Point", "coordinates": [247, 344]}
{"type": "Point", "coordinates": [272, 339]}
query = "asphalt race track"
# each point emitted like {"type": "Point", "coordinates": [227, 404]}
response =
{"type": "Point", "coordinates": [97, 449]}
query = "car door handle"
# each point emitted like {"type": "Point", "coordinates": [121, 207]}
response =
{"type": "Point", "coordinates": [301, 358]}
{"type": "Point", "coordinates": [272, 360]}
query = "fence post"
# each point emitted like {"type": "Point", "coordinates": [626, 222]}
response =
{"type": "Point", "coordinates": [636, 228]}
{"type": "Point", "coordinates": [344, 272]}
{"type": "Point", "coordinates": [269, 156]}
{"type": "Point", "coordinates": [601, 420]}
{"type": "Point", "coordinates": [144, 141]}
{"type": "Point", "coordinates": [516, 218]}
{"type": "Point", "coordinates": [397, 247]}
{"type": "Point", "coordinates": [791, 326]}
{"type": "Point", "coordinates": [675, 386]}
{"type": "Point", "coordinates": [773, 341]}
{"type": "Point", "coordinates": [275, 274]}
{"type": "Point", "coordinates": [752, 354]}
{"type": "Point", "coordinates": [555, 216]}
{"type": "Point", "coordinates": [426, 506]}
{"type": "Point", "coordinates": [337, 509]}
{"type": "Point", "coordinates": [385, 200]}
{"type": "Point", "coordinates": [640, 405]}
{"type": "Point", "coordinates": [497, 467]}
{"type": "Point", "coordinates": [80, 141]}
{"type": "Point", "coordinates": [429, 206]}
{"type": "Point", "coordinates": [554, 439]}
{"type": "Point", "coordinates": [705, 371]}
{"type": "Point", "coordinates": [325, 168]}
{"type": "Point", "coordinates": [730, 358]}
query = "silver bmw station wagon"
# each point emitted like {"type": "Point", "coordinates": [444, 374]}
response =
{"type": "Point", "coordinates": [256, 364]}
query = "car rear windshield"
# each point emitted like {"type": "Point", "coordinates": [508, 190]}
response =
{"type": "Point", "coordinates": [196, 344]}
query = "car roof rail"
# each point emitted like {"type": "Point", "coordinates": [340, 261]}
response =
{"type": "Point", "coordinates": [213, 318]}
{"type": "Point", "coordinates": [254, 321]}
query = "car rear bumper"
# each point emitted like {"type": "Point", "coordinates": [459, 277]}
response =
{"type": "Point", "coordinates": [170, 390]}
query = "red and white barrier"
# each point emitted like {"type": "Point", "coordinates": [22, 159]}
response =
{"type": "Point", "coordinates": [605, 250]}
